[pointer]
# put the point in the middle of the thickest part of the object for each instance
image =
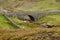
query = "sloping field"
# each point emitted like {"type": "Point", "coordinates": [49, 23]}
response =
{"type": "Point", "coordinates": [23, 24]}
{"type": "Point", "coordinates": [4, 23]}
{"type": "Point", "coordinates": [30, 30]}
{"type": "Point", "coordinates": [30, 5]}
{"type": "Point", "coordinates": [53, 20]}
{"type": "Point", "coordinates": [46, 5]}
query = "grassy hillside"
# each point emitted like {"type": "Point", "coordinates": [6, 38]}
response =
{"type": "Point", "coordinates": [4, 23]}
{"type": "Point", "coordinates": [45, 5]}
{"type": "Point", "coordinates": [23, 24]}
{"type": "Point", "coordinates": [30, 5]}
{"type": "Point", "coordinates": [53, 20]}
{"type": "Point", "coordinates": [30, 31]}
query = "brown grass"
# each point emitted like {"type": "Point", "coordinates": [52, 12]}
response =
{"type": "Point", "coordinates": [29, 34]}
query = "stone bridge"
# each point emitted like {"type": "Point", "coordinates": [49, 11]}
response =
{"type": "Point", "coordinates": [32, 15]}
{"type": "Point", "coordinates": [35, 15]}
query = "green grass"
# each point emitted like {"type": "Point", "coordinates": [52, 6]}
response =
{"type": "Point", "coordinates": [23, 24]}
{"type": "Point", "coordinates": [51, 19]}
{"type": "Point", "coordinates": [4, 23]}
{"type": "Point", "coordinates": [41, 5]}
{"type": "Point", "coordinates": [48, 19]}
{"type": "Point", "coordinates": [45, 5]}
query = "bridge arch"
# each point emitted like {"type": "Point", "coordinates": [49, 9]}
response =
{"type": "Point", "coordinates": [29, 17]}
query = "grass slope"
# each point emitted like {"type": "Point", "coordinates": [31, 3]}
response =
{"type": "Point", "coordinates": [4, 23]}
{"type": "Point", "coordinates": [45, 5]}
{"type": "Point", "coordinates": [51, 19]}
{"type": "Point", "coordinates": [48, 19]}
{"type": "Point", "coordinates": [23, 24]}
{"type": "Point", "coordinates": [41, 5]}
